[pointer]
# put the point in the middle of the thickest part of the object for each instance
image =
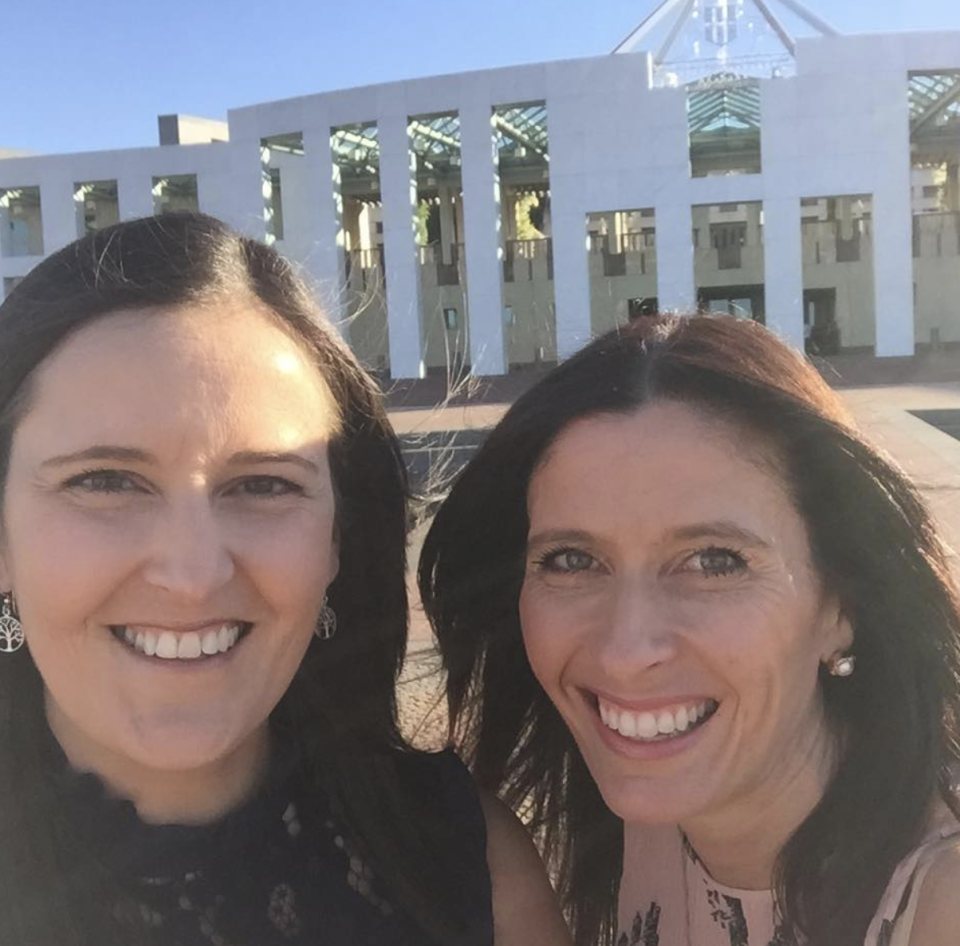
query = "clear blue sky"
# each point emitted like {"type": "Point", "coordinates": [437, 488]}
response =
{"type": "Point", "coordinates": [81, 75]}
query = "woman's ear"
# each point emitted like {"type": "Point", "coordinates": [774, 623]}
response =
{"type": "Point", "coordinates": [334, 553]}
{"type": "Point", "coordinates": [6, 579]}
{"type": "Point", "coordinates": [838, 633]}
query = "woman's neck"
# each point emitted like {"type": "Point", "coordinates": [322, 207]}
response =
{"type": "Point", "coordinates": [194, 796]}
{"type": "Point", "coordinates": [739, 844]}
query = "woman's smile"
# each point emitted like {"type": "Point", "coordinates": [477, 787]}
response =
{"type": "Point", "coordinates": [209, 639]}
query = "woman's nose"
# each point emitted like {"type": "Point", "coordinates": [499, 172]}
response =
{"type": "Point", "coordinates": [190, 557]}
{"type": "Point", "coordinates": [639, 631]}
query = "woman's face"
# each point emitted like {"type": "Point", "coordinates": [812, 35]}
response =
{"type": "Point", "coordinates": [168, 529]}
{"type": "Point", "coordinates": [671, 611]}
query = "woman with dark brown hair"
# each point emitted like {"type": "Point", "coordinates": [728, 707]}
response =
{"type": "Point", "coordinates": [705, 638]}
{"type": "Point", "coordinates": [204, 612]}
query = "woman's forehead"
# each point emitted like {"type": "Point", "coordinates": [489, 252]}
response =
{"type": "Point", "coordinates": [665, 460]}
{"type": "Point", "coordinates": [183, 368]}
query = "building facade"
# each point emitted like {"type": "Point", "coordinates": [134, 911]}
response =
{"type": "Point", "coordinates": [492, 220]}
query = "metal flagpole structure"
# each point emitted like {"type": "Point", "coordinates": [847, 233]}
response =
{"type": "Point", "coordinates": [685, 10]}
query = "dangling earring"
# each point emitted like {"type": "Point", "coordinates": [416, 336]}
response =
{"type": "Point", "coordinates": [841, 665]}
{"type": "Point", "coordinates": [11, 630]}
{"type": "Point", "coordinates": [326, 623]}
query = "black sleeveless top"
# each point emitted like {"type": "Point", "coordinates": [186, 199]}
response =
{"type": "Point", "coordinates": [282, 870]}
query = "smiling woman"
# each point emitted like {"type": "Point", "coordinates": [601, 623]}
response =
{"type": "Point", "coordinates": [190, 514]}
{"type": "Point", "coordinates": [203, 550]}
{"type": "Point", "coordinates": [733, 647]}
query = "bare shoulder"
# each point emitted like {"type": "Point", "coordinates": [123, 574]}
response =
{"type": "Point", "coordinates": [525, 910]}
{"type": "Point", "coordinates": [938, 908]}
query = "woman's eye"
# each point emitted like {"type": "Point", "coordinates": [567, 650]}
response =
{"type": "Point", "coordinates": [567, 561]}
{"type": "Point", "coordinates": [104, 481]}
{"type": "Point", "coordinates": [265, 487]}
{"type": "Point", "coordinates": [717, 562]}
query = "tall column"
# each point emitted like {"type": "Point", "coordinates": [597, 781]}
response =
{"type": "Point", "coordinates": [324, 256]}
{"type": "Point", "coordinates": [893, 270]}
{"type": "Point", "coordinates": [754, 237]}
{"type": "Point", "coordinates": [783, 259]}
{"type": "Point", "coordinates": [58, 213]}
{"type": "Point", "coordinates": [845, 217]}
{"type": "Point", "coordinates": [952, 188]}
{"type": "Point", "coordinates": [571, 280]}
{"type": "Point", "coordinates": [481, 223]}
{"type": "Point", "coordinates": [447, 229]}
{"type": "Point", "coordinates": [135, 194]}
{"type": "Point", "coordinates": [399, 192]}
{"type": "Point", "coordinates": [675, 283]}
{"type": "Point", "coordinates": [619, 227]}
{"type": "Point", "coordinates": [245, 209]}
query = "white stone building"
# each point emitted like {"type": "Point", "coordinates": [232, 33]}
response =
{"type": "Point", "coordinates": [496, 219]}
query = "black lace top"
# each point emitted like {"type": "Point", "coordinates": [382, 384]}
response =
{"type": "Point", "coordinates": [282, 869]}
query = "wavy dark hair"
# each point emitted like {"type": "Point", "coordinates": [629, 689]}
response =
{"type": "Point", "coordinates": [873, 544]}
{"type": "Point", "coordinates": [340, 707]}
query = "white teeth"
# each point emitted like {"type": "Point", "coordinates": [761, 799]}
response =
{"type": "Point", "coordinates": [188, 647]}
{"type": "Point", "coordinates": [647, 726]}
{"type": "Point", "coordinates": [666, 723]}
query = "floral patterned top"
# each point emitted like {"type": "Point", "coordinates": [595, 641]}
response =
{"type": "Point", "coordinates": [283, 870]}
{"type": "Point", "coordinates": [667, 897]}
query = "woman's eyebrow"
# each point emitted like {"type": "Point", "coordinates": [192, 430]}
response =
{"type": "Point", "coordinates": [720, 529]}
{"type": "Point", "coordinates": [136, 455]}
{"type": "Point", "coordinates": [549, 536]}
{"type": "Point", "coordinates": [246, 457]}
{"type": "Point", "coordinates": [101, 452]}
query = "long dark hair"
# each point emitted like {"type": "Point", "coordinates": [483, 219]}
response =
{"type": "Point", "coordinates": [341, 704]}
{"type": "Point", "coordinates": [874, 546]}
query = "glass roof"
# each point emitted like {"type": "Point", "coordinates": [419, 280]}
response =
{"type": "Point", "coordinates": [522, 129]}
{"type": "Point", "coordinates": [292, 143]}
{"type": "Point", "coordinates": [731, 107]}
{"type": "Point", "coordinates": [356, 150]}
{"type": "Point", "coordinates": [96, 190]}
{"type": "Point", "coordinates": [694, 40]}
{"type": "Point", "coordinates": [934, 102]}
{"type": "Point", "coordinates": [25, 195]}
{"type": "Point", "coordinates": [521, 135]}
{"type": "Point", "coordinates": [436, 138]}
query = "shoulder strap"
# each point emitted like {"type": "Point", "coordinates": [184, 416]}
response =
{"type": "Point", "coordinates": [893, 923]}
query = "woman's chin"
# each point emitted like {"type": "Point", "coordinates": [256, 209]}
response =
{"type": "Point", "coordinates": [652, 800]}
{"type": "Point", "coordinates": [180, 745]}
